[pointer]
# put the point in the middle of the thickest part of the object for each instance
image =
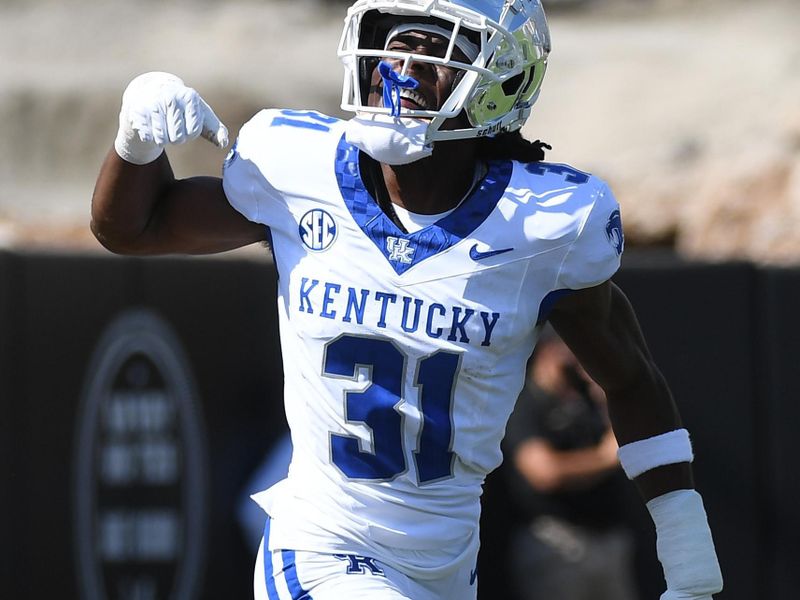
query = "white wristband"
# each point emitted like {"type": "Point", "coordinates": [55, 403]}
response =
{"type": "Point", "coordinates": [685, 546]}
{"type": "Point", "coordinates": [665, 449]}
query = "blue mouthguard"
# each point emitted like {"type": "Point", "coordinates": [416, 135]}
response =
{"type": "Point", "coordinates": [393, 82]}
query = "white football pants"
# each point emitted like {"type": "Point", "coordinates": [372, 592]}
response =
{"type": "Point", "coordinates": [296, 575]}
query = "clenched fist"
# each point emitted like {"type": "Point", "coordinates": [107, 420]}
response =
{"type": "Point", "coordinates": [159, 109]}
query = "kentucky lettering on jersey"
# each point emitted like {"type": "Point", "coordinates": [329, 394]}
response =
{"type": "Point", "coordinates": [349, 305]}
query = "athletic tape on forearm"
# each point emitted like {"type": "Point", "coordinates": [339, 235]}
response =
{"type": "Point", "coordinates": [684, 545]}
{"type": "Point", "coordinates": [665, 449]}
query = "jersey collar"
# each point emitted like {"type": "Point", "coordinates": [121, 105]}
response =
{"type": "Point", "coordinates": [404, 250]}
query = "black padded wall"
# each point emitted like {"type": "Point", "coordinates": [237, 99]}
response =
{"type": "Point", "coordinates": [778, 402]}
{"type": "Point", "coordinates": [10, 403]}
{"type": "Point", "coordinates": [698, 321]}
{"type": "Point", "coordinates": [63, 305]}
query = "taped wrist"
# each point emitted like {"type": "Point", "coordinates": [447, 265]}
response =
{"type": "Point", "coordinates": [684, 544]}
{"type": "Point", "coordinates": [660, 450]}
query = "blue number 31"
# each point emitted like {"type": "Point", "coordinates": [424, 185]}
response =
{"type": "Point", "coordinates": [377, 407]}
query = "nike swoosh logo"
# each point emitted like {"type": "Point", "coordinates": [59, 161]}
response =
{"type": "Point", "coordinates": [474, 254]}
{"type": "Point", "coordinates": [473, 575]}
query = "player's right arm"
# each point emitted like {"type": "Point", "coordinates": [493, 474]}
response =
{"type": "Point", "coordinates": [138, 206]}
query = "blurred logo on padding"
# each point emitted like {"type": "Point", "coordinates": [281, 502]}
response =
{"type": "Point", "coordinates": [140, 493]}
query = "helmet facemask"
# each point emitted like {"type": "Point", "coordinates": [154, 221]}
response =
{"type": "Point", "coordinates": [493, 93]}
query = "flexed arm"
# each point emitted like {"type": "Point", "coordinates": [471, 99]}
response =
{"type": "Point", "coordinates": [138, 206]}
{"type": "Point", "coordinates": [600, 327]}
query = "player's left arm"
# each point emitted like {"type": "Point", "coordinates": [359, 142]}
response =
{"type": "Point", "coordinates": [600, 327]}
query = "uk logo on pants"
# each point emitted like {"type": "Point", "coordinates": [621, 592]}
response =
{"type": "Point", "coordinates": [360, 564]}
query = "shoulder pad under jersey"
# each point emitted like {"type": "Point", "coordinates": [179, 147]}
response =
{"type": "Point", "coordinates": [277, 150]}
{"type": "Point", "coordinates": [582, 209]}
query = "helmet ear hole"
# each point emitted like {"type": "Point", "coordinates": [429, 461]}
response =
{"type": "Point", "coordinates": [529, 83]}
{"type": "Point", "coordinates": [511, 87]}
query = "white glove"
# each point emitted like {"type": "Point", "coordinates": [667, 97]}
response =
{"type": "Point", "coordinates": [158, 109]}
{"type": "Point", "coordinates": [685, 546]}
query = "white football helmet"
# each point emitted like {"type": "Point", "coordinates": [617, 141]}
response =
{"type": "Point", "coordinates": [496, 90]}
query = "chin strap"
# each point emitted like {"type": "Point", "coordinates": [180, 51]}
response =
{"type": "Point", "coordinates": [393, 82]}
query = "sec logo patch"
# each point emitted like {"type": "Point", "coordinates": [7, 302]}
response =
{"type": "Point", "coordinates": [318, 230]}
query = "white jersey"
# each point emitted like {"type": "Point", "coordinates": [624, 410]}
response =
{"type": "Point", "coordinates": [404, 353]}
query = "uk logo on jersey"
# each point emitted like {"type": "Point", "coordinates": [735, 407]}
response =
{"type": "Point", "coordinates": [318, 230]}
{"type": "Point", "coordinates": [399, 250]}
{"type": "Point", "coordinates": [616, 236]}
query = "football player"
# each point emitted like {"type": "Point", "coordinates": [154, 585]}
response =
{"type": "Point", "coordinates": [421, 246]}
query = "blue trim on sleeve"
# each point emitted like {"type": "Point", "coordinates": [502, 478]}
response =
{"type": "Point", "coordinates": [548, 303]}
{"type": "Point", "coordinates": [436, 238]}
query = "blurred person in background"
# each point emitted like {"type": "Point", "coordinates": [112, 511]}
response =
{"type": "Point", "coordinates": [420, 246]}
{"type": "Point", "coordinates": [575, 542]}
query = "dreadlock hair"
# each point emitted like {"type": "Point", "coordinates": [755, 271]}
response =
{"type": "Point", "coordinates": [511, 146]}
